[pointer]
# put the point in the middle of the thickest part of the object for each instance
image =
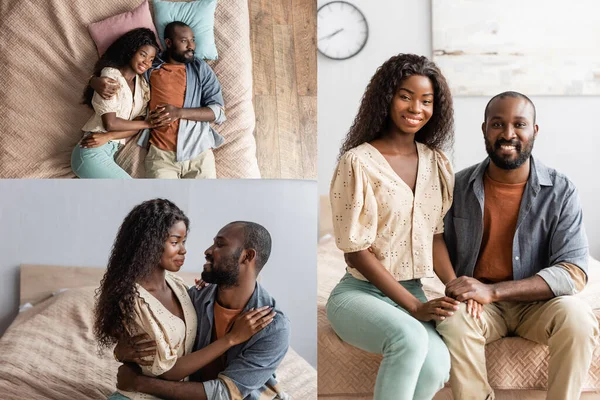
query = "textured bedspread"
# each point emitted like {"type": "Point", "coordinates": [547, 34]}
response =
{"type": "Point", "coordinates": [512, 363]}
{"type": "Point", "coordinates": [49, 352]}
{"type": "Point", "coordinates": [47, 56]}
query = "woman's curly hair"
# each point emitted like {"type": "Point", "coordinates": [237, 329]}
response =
{"type": "Point", "coordinates": [136, 251]}
{"type": "Point", "coordinates": [120, 54]}
{"type": "Point", "coordinates": [373, 114]}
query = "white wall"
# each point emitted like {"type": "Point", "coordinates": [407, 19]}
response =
{"type": "Point", "coordinates": [74, 223]}
{"type": "Point", "coordinates": [569, 135]}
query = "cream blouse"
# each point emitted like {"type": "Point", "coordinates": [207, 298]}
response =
{"type": "Point", "coordinates": [372, 207]}
{"type": "Point", "coordinates": [125, 104]}
{"type": "Point", "coordinates": [174, 337]}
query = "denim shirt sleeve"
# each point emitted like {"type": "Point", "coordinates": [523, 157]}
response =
{"type": "Point", "coordinates": [212, 96]}
{"type": "Point", "coordinates": [568, 244]}
{"type": "Point", "coordinates": [216, 390]}
{"type": "Point", "coordinates": [254, 366]}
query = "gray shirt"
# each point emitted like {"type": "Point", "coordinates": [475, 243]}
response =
{"type": "Point", "coordinates": [250, 366]}
{"type": "Point", "coordinates": [549, 227]}
{"type": "Point", "coordinates": [202, 90]}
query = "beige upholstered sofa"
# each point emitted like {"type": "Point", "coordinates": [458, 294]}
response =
{"type": "Point", "coordinates": [517, 368]}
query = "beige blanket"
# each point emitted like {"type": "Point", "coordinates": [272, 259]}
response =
{"type": "Point", "coordinates": [49, 352]}
{"type": "Point", "coordinates": [46, 58]}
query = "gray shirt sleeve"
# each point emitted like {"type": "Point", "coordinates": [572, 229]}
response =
{"type": "Point", "coordinates": [212, 96]}
{"type": "Point", "coordinates": [216, 390]}
{"type": "Point", "coordinates": [568, 244]}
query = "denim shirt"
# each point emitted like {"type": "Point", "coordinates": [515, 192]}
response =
{"type": "Point", "coordinates": [202, 90]}
{"type": "Point", "coordinates": [549, 227]}
{"type": "Point", "coordinates": [250, 366]}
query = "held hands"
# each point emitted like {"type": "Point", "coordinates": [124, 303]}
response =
{"type": "Point", "coordinates": [474, 308]}
{"type": "Point", "coordinates": [95, 139]}
{"type": "Point", "coordinates": [437, 309]}
{"type": "Point", "coordinates": [135, 349]}
{"type": "Point", "coordinates": [164, 114]}
{"type": "Point", "coordinates": [250, 322]}
{"type": "Point", "coordinates": [465, 288]}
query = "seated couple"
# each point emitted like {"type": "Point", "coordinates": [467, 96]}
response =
{"type": "Point", "coordinates": [228, 337]}
{"type": "Point", "coordinates": [173, 99]}
{"type": "Point", "coordinates": [506, 237]}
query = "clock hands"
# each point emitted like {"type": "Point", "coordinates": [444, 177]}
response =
{"type": "Point", "coordinates": [331, 35]}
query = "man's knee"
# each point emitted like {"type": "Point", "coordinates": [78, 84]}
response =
{"type": "Point", "coordinates": [575, 316]}
{"type": "Point", "coordinates": [457, 324]}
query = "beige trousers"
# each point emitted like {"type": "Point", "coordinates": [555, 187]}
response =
{"type": "Point", "coordinates": [566, 324]}
{"type": "Point", "coordinates": [163, 164]}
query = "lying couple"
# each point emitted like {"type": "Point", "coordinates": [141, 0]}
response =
{"type": "Point", "coordinates": [228, 337]}
{"type": "Point", "coordinates": [510, 228]}
{"type": "Point", "coordinates": [181, 92]}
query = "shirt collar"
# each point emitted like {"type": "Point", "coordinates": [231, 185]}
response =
{"type": "Point", "coordinates": [539, 174]}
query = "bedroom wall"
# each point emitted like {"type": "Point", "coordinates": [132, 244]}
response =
{"type": "Point", "coordinates": [568, 139]}
{"type": "Point", "coordinates": [55, 222]}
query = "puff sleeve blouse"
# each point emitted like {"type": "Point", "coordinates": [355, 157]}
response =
{"type": "Point", "coordinates": [372, 207]}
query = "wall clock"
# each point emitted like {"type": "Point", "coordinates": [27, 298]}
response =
{"type": "Point", "coordinates": [342, 30]}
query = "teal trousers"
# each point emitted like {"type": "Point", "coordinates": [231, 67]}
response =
{"type": "Point", "coordinates": [416, 362]}
{"type": "Point", "coordinates": [97, 162]}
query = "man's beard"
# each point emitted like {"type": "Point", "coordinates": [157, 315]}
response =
{"type": "Point", "coordinates": [181, 57]}
{"type": "Point", "coordinates": [523, 153]}
{"type": "Point", "coordinates": [226, 273]}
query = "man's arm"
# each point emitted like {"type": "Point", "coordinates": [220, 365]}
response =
{"type": "Point", "coordinates": [568, 246]}
{"type": "Point", "coordinates": [252, 368]}
{"type": "Point", "coordinates": [129, 378]}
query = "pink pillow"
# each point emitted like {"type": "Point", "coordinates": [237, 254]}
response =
{"type": "Point", "coordinates": [105, 32]}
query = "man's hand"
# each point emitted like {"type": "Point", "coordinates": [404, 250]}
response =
{"type": "Point", "coordinates": [132, 350]}
{"type": "Point", "coordinates": [465, 288]}
{"type": "Point", "coordinates": [127, 377]}
{"type": "Point", "coordinates": [95, 139]}
{"type": "Point", "coordinates": [106, 87]}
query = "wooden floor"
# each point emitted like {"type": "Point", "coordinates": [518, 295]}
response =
{"type": "Point", "coordinates": [283, 40]}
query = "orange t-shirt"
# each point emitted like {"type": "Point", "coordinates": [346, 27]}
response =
{"type": "Point", "coordinates": [500, 213]}
{"type": "Point", "coordinates": [223, 321]}
{"type": "Point", "coordinates": [167, 86]}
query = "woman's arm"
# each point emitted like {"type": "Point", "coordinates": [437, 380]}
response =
{"type": "Point", "coordinates": [245, 326]}
{"type": "Point", "coordinates": [113, 123]}
{"type": "Point", "coordinates": [369, 266]}
{"type": "Point", "coordinates": [442, 266]}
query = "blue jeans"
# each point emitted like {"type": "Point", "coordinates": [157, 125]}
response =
{"type": "Point", "coordinates": [416, 362]}
{"type": "Point", "coordinates": [97, 162]}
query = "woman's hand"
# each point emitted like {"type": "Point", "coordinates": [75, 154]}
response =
{"type": "Point", "coordinates": [134, 349]}
{"type": "Point", "coordinates": [157, 118]}
{"type": "Point", "coordinates": [200, 284]}
{"type": "Point", "coordinates": [250, 322]}
{"type": "Point", "coordinates": [474, 308]}
{"type": "Point", "coordinates": [95, 139]}
{"type": "Point", "coordinates": [437, 309]}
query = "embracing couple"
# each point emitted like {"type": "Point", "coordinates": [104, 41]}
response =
{"type": "Point", "coordinates": [505, 237]}
{"type": "Point", "coordinates": [172, 99]}
{"type": "Point", "coordinates": [221, 341]}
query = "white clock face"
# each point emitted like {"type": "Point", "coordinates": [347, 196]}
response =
{"type": "Point", "coordinates": [342, 30]}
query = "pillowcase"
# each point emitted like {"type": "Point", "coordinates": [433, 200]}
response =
{"type": "Point", "coordinates": [199, 15]}
{"type": "Point", "coordinates": [105, 32]}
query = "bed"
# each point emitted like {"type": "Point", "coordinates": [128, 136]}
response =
{"type": "Point", "coordinates": [517, 368]}
{"type": "Point", "coordinates": [49, 351]}
{"type": "Point", "coordinates": [47, 57]}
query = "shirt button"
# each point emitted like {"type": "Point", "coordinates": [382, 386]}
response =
{"type": "Point", "coordinates": [416, 253]}
{"type": "Point", "coordinates": [517, 258]}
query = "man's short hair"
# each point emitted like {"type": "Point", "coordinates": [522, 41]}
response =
{"type": "Point", "coordinates": [170, 28]}
{"type": "Point", "coordinates": [508, 94]}
{"type": "Point", "coordinates": [256, 237]}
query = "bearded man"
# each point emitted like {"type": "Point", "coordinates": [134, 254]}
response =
{"type": "Point", "coordinates": [245, 371]}
{"type": "Point", "coordinates": [516, 239]}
